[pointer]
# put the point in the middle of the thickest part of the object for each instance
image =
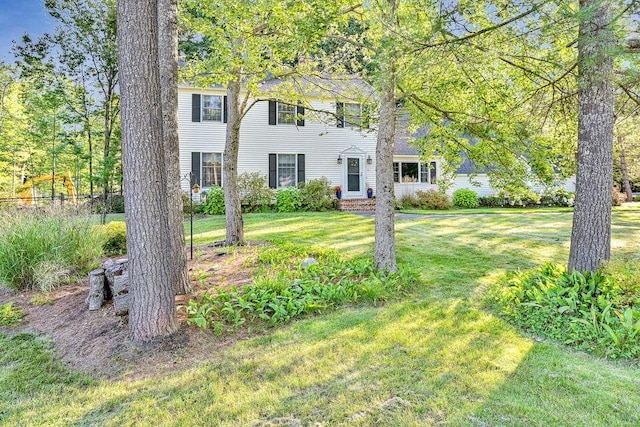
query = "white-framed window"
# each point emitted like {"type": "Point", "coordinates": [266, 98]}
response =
{"type": "Point", "coordinates": [352, 115]}
{"type": "Point", "coordinates": [286, 114]}
{"type": "Point", "coordinates": [211, 170]}
{"type": "Point", "coordinates": [287, 170]}
{"type": "Point", "coordinates": [211, 108]}
{"type": "Point", "coordinates": [407, 172]}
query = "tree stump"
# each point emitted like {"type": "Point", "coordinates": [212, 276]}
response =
{"type": "Point", "coordinates": [121, 294]}
{"type": "Point", "coordinates": [96, 289]}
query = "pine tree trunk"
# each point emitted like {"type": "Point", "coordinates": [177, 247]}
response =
{"type": "Point", "coordinates": [168, 57]}
{"type": "Point", "coordinates": [152, 312]}
{"type": "Point", "coordinates": [232, 202]}
{"type": "Point", "coordinates": [591, 233]}
{"type": "Point", "coordinates": [625, 171]}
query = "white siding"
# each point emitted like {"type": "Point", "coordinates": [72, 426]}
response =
{"type": "Point", "coordinates": [480, 184]}
{"type": "Point", "coordinates": [319, 142]}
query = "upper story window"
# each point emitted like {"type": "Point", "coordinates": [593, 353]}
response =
{"type": "Point", "coordinates": [350, 115]}
{"type": "Point", "coordinates": [212, 108]}
{"type": "Point", "coordinates": [286, 114]}
{"type": "Point", "coordinates": [282, 113]}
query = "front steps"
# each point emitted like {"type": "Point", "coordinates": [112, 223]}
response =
{"type": "Point", "coordinates": [357, 205]}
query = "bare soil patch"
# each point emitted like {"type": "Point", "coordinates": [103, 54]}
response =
{"type": "Point", "coordinates": [97, 342]}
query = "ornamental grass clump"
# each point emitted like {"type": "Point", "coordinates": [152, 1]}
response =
{"type": "Point", "coordinates": [42, 248]}
{"type": "Point", "coordinates": [597, 312]}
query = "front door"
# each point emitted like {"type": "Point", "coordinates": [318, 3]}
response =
{"type": "Point", "coordinates": [354, 177]}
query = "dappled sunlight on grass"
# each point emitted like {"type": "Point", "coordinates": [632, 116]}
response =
{"type": "Point", "coordinates": [445, 359]}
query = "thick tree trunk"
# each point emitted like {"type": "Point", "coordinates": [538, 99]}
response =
{"type": "Point", "coordinates": [152, 311]}
{"type": "Point", "coordinates": [168, 56]}
{"type": "Point", "coordinates": [591, 233]}
{"type": "Point", "coordinates": [384, 254]}
{"type": "Point", "coordinates": [385, 245]}
{"type": "Point", "coordinates": [232, 202]}
{"type": "Point", "coordinates": [625, 171]}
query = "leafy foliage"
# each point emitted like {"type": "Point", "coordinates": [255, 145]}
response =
{"type": "Point", "coordinates": [214, 205]}
{"type": "Point", "coordinates": [115, 238]}
{"type": "Point", "coordinates": [317, 195]}
{"type": "Point", "coordinates": [465, 198]}
{"type": "Point", "coordinates": [39, 249]}
{"type": "Point", "coordinates": [288, 199]}
{"type": "Point", "coordinates": [10, 315]}
{"type": "Point", "coordinates": [432, 199]}
{"type": "Point", "coordinates": [256, 196]}
{"type": "Point", "coordinates": [598, 312]}
{"type": "Point", "coordinates": [283, 290]}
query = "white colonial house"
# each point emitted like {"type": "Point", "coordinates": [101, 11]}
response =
{"type": "Point", "coordinates": [289, 144]}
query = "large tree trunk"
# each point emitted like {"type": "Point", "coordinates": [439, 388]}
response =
{"type": "Point", "coordinates": [384, 254]}
{"type": "Point", "coordinates": [152, 313]}
{"type": "Point", "coordinates": [168, 56]}
{"type": "Point", "coordinates": [591, 233]}
{"type": "Point", "coordinates": [232, 202]}
{"type": "Point", "coordinates": [625, 171]}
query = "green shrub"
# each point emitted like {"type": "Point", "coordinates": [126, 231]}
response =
{"type": "Point", "coordinates": [465, 198]}
{"type": "Point", "coordinates": [317, 195]}
{"type": "Point", "coordinates": [256, 196]}
{"type": "Point", "coordinates": [10, 315]}
{"type": "Point", "coordinates": [492, 201]}
{"type": "Point", "coordinates": [557, 197]}
{"type": "Point", "coordinates": [288, 199]}
{"type": "Point", "coordinates": [282, 290]}
{"type": "Point", "coordinates": [433, 199]}
{"type": "Point", "coordinates": [593, 312]}
{"type": "Point", "coordinates": [214, 205]}
{"type": "Point", "coordinates": [408, 201]}
{"type": "Point", "coordinates": [39, 249]}
{"type": "Point", "coordinates": [197, 205]}
{"type": "Point", "coordinates": [115, 238]}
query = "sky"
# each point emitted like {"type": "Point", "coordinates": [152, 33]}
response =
{"type": "Point", "coordinates": [18, 17]}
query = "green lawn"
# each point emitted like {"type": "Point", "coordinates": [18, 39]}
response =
{"type": "Point", "coordinates": [449, 360]}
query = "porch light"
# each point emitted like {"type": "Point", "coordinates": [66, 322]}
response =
{"type": "Point", "coordinates": [339, 159]}
{"type": "Point", "coordinates": [369, 159]}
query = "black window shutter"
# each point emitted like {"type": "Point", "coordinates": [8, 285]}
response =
{"type": "Point", "coordinates": [195, 168]}
{"type": "Point", "coordinates": [273, 171]}
{"type": "Point", "coordinates": [195, 107]}
{"type": "Point", "coordinates": [433, 178]}
{"type": "Point", "coordinates": [300, 168]}
{"type": "Point", "coordinates": [300, 114]}
{"type": "Point", "coordinates": [340, 114]}
{"type": "Point", "coordinates": [272, 112]}
{"type": "Point", "coordinates": [225, 109]}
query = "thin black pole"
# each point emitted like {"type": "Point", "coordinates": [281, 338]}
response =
{"type": "Point", "coordinates": [191, 214]}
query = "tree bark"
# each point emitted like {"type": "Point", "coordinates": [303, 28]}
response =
{"type": "Point", "coordinates": [591, 233]}
{"type": "Point", "coordinates": [625, 170]}
{"type": "Point", "coordinates": [152, 312]}
{"type": "Point", "coordinates": [384, 254]}
{"type": "Point", "coordinates": [232, 202]}
{"type": "Point", "coordinates": [168, 57]}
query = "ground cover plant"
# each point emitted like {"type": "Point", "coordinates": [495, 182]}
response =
{"type": "Point", "coordinates": [598, 312]}
{"type": "Point", "coordinates": [42, 248]}
{"type": "Point", "coordinates": [292, 281]}
{"type": "Point", "coordinates": [433, 357]}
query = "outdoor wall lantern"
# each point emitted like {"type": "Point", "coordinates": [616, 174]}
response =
{"type": "Point", "coordinates": [339, 159]}
{"type": "Point", "coordinates": [369, 159]}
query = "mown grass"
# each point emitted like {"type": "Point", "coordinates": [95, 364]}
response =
{"type": "Point", "coordinates": [450, 361]}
